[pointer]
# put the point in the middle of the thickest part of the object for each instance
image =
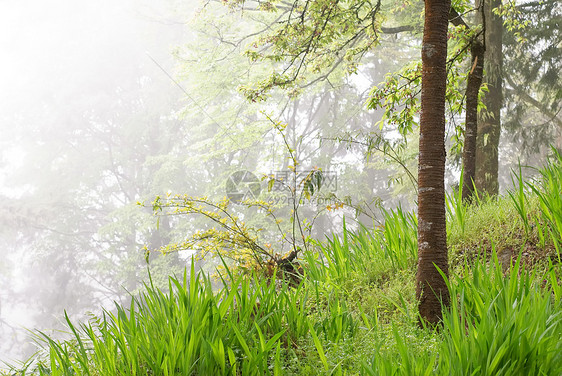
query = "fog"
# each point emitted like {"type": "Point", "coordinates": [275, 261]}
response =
{"type": "Point", "coordinates": [63, 61]}
{"type": "Point", "coordinates": [105, 104]}
{"type": "Point", "coordinates": [96, 115]}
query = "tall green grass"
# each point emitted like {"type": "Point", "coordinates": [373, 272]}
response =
{"type": "Point", "coordinates": [354, 312]}
{"type": "Point", "coordinates": [248, 327]}
{"type": "Point", "coordinates": [547, 189]}
{"type": "Point", "coordinates": [520, 197]}
{"type": "Point", "coordinates": [501, 324]}
{"type": "Point", "coordinates": [187, 330]}
{"type": "Point", "coordinates": [497, 324]}
{"type": "Point", "coordinates": [393, 245]}
{"type": "Point", "coordinates": [456, 208]}
{"type": "Point", "coordinates": [549, 192]}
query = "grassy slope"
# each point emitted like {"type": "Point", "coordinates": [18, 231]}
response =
{"type": "Point", "coordinates": [355, 312]}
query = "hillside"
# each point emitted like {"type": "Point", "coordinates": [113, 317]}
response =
{"type": "Point", "coordinates": [354, 312]}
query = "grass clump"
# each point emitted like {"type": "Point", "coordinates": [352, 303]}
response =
{"type": "Point", "coordinates": [187, 330]}
{"type": "Point", "coordinates": [501, 324]}
{"type": "Point", "coordinates": [527, 221]}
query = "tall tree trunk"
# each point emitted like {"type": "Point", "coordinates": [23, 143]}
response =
{"type": "Point", "coordinates": [489, 129]}
{"type": "Point", "coordinates": [431, 289]}
{"type": "Point", "coordinates": [471, 123]}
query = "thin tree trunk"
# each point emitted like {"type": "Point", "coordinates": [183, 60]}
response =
{"type": "Point", "coordinates": [431, 289]}
{"type": "Point", "coordinates": [471, 123]}
{"type": "Point", "coordinates": [489, 128]}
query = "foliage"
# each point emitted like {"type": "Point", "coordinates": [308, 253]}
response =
{"type": "Point", "coordinates": [399, 94]}
{"type": "Point", "coordinates": [242, 137]}
{"type": "Point", "coordinates": [232, 235]}
{"type": "Point", "coordinates": [356, 284]}
{"type": "Point", "coordinates": [549, 194]}
{"type": "Point", "coordinates": [310, 37]}
{"type": "Point", "coordinates": [249, 248]}
{"type": "Point", "coordinates": [393, 245]}
{"type": "Point", "coordinates": [307, 47]}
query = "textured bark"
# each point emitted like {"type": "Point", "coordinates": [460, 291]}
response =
{"type": "Point", "coordinates": [471, 123]}
{"type": "Point", "coordinates": [431, 289]}
{"type": "Point", "coordinates": [488, 137]}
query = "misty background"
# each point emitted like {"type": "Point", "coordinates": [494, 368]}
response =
{"type": "Point", "coordinates": [107, 104]}
{"type": "Point", "coordinates": [76, 79]}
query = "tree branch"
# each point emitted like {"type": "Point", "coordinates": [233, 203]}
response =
{"type": "Point", "coordinates": [532, 101]}
{"type": "Point", "coordinates": [397, 29]}
{"type": "Point", "coordinates": [456, 19]}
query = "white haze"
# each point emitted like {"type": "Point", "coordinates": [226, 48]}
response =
{"type": "Point", "coordinates": [48, 51]}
